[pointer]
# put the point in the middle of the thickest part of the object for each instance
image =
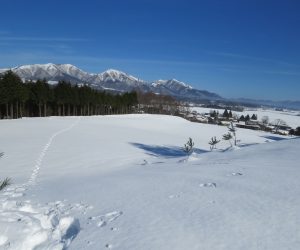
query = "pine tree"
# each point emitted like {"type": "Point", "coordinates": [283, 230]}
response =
{"type": "Point", "coordinates": [254, 117]}
{"type": "Point", "coordinates": [213, 143]}
{"type": "Point", "coordinates": [232, 130]}
{"type": "Point", "coordinates": [189, 146]}
{"type": "Point", "coordinates": [6, 182]}
{"type": "Point", "coordinates": [226, 114]}
{"type": "Point", "coordinates": [242, 118]}
{"type": "Point", "coordinates": [228, 137]}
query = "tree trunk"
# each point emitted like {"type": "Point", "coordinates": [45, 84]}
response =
{"type": "Point", "coordinates": [45, 109]}
{"type": "Point", "coordinates": [12, 111]}
{"type": "Point", "coordinates": [40, 109]}
{"type": "Point", "coordinates": [7, 111]}
{"type": "Point", "coordinates": [69, 109]}
{"type": "Point", "coordinates": [17, 109]}
{"type": "Point", "coordinates": [21, 110]}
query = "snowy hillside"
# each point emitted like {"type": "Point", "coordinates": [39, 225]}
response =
{"type": "Point", "coordinates": [123, 182]}
{"type": "Point", "coordinates": [111, 79]}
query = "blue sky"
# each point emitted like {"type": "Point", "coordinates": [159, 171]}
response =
{"type": "Point", "coordinates": [236, 48]}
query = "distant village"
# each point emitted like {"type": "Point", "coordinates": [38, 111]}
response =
{"type": "Point", "coordinates": [248, 122]}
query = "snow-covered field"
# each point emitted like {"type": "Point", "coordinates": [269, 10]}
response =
{"type": "Point", "coordinates": [123, 182]}
{"type": "Point", "coordinates": [292, 118]}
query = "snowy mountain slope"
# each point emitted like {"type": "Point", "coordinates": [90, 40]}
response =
{"type": "Point", "coordinates": [123, 182]}
{"type": "Point", "coordinates": [179, 89]}
{"type": "Point", "coordinates": [52, 72]}
{"type": "Point", "coordinates": [110, 79]}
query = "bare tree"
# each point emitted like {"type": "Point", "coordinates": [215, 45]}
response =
{"type": "Point", "coordinates": [265, 120]}
{"type": "Point", "coordinates": [277, 123]}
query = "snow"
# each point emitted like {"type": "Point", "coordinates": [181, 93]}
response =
{"type": "Point", "coordinates": [292, 118]}
{"type": "Point", "coordinates": [114, 75]}
{"type": "Point", "coordinates": [123, 182]}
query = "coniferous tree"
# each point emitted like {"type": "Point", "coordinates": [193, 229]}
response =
{"type": "Point", "coordinates": [41, 99]}
{"type": "Point", "coordinates": [6, 182]}
{"type": "Point", "coordinates": [213, 143]}
{"type": "Point", "coordinates": [226, 114]}
{"type": "Point", "coordinates": [242, 118]}
{"type": "Point", "coordinates": [232, 130]}
{"type": "Point", "coordinates": [189, 146]}
{"type": "Point", "coordinates": [254, 117]}
{"type": "Point", "coordinates": [228, 137]}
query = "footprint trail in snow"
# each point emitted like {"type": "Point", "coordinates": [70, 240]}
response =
{"type": "Point", "coordinates": [37, 226]}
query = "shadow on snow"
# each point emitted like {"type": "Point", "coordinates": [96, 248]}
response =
{"type": "Point", "coordinates": [274, 138]}
{"type": "Point", "coordinates": [164, 151]}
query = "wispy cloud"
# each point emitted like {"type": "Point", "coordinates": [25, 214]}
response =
{"type": "Point", "coordinates": [42, 39]}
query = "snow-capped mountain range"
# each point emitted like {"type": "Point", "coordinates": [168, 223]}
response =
{"type": "Point", "coordinates": [110, 80]}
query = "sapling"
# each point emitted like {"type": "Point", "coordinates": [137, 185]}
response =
{"type": "Point", "coordinates": [6, 182]}
{"type": "Point", "coordinates": [228, 137]}
{"type": "Point", "coordinates": [232, 129]}
{"type": "Point", "coordinates": [189, 146]}
{"type": "Point", "coordinates": [213, 143]}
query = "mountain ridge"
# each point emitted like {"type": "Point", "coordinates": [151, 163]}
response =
{"type": "Point", "coordinates": [111, 79]}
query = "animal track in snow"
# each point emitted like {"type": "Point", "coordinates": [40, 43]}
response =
{"type": "Point", "coordinates": [173, 196]}
{"type": "Point", "coordinates": [209, 184]}
{"type": "Point", "coordinates": [236, 174]}
{"type": "Point", "coordinates": [40, 159]}
{"type": "Point", "coordinates": [103, 220]}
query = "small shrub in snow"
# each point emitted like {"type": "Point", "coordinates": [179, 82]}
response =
{"type": "Point", "coordinates": [228, 137]}
{"type": "Point", "coordinates": [232, 130]}
{"type": "Point", "coordinates": [189, 146]}
{"type": "Point", "coordinates": [6, 182]}
{"type": "Point", "coordinates": [213, 143]}
{"type": "Point", "coordinates": [3, 184]}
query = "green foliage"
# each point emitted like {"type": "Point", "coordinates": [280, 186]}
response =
{"type": "Point", "coordinates": [6, 182]}
{"type": "Point", "coordinates": [232, 130]}
{"type": "Point", "coordinates": [228, 137]}
{"type": "Point", "coordinates": [41, 99]}
{"type": "Point", "coordinates": [254, 117]}
{"type": "Point", "coordinates": [213, 143]}
{"type": "Point", "coordinates": [226, 114]}
{"type": "Point", "coordinates": [189, 146]}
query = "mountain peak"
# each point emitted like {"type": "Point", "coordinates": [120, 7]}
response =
{"type": "Point", "coordinates": [111, 79]}
{"type": "Point", "coordinates": [116, 75]}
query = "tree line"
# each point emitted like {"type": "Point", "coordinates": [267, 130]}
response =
{"type": "Point", "coordinates": [37, 99]}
